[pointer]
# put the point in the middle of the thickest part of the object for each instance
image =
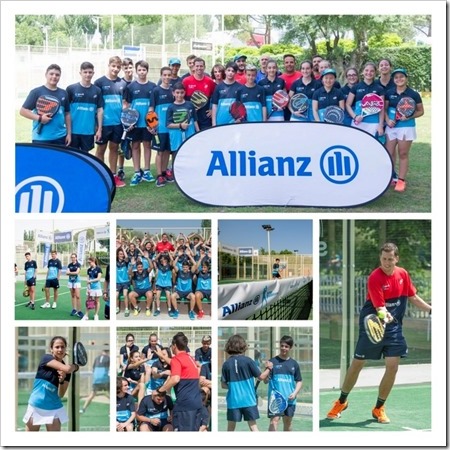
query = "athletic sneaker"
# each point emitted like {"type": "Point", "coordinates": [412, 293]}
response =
{"type": "Point", "coordinates": [53, 305]}
{"type": "Point", "coordinates": [170, 313]}
{"type": "Point", "coordinates": [96, 317]}
{"type": "Point", "coordinates": [335, 411]}
{"type": "Point", "coordinates": [147, 312]}
{"type": "Point", "coordinates": [400, 186]}
{"type": "Point", "coordinates": [28, 304]}
{"type": "Point", "coordinates": [85, 317]}
{"type": "Point", "coordinates": [200, 314]}
{"type": "Point", "coordinates": [45, 305]}
{"type": "Point", "coordinates": [32, 306]}
{"type": "Point", "coordinates": [136, 311]}
{"type": "Point", "coordinates": [74, 312]}
{"type": "Point", "coordinates": [161, 181]}
{"type": "Point", "coordinates": [80, 314]}
{"type": "Point", "coordinates": [169, 176]}
{"type": "Point", "coordinates": [175, 314]}
{"type": "Point", "coordinates": [127, 312]}
{"type": "Point", "coordinates": [135, 180]}
{"type": "Point", "coordinates": [118, 182]}
{"type": "Point", "coordinates": [117, 309]}
{"type": "Point", "coordinates": [157, 313]}
{"type": "Point", "coordinates": [380, 415]}
{"type": "Point", "coordinates": [192, 315]}
{"type": "Point", "coordinates": [81, 411]}
{"type": "Point", "coordinates": [147, 176]}
{"type": "Point", "coordinates": [121, 174]}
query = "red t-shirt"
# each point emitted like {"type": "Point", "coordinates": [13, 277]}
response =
{"type": "Point", "coordinates": [187, 390]}
{"type": "Point", "coordinates": [164, 247]}
{"type": "Point", "coordinates": [240, 77]}
{"type": "Point", "coordinates": [205, 85]}
{"type": "Point", "coordinates": [290, 78]}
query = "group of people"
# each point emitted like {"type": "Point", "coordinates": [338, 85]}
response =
{"type": "Point", "coordinates": [149, 268]}
{"type": "Point", "coordinates": [90, 112]}
{"type": "Point", "coordinates": [164, 388]}
{"type": "Point", "coordinates": [54, 269]}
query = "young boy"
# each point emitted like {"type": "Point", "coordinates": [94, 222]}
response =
{"type": "Point", "coordinates": [163, 282]}
{"type": "Point", "coordinates": [54, 268]}
{"type": "Point", "coordinates": [155, 412]}
{"type": "Point", "coordinates": [286, 379]}
{"type": "Point", "coordinates": [142, 287]}
{"type": "Point", "coordinates": [86, 110]}
{"type": "Point", "coordinates": [161, 99]}
{"type": "Point", "coordinates": [203, 288]}
{"type": "Point", "coordinates": [183, 285]}
{"type": "Point", "coordinates": [30, 278]}
{"type": "Point", "coordinates": [238, 373]}
{"type": "Point", "coordinates": [137, 96]}
{"type": "Point", "coordinates": [253, 97]}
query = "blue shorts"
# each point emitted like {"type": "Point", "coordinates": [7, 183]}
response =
{"type": "Point", "coordinates": [159, 427]}
{"type": "Point", "coordinates": [163, 288]}
{"type": "Point", "coordinates": [121, 286]}
{"type": "Point", "coordinates": [388, 347]}
{"type": "Point", "coordinates": [142, 292]}
{"type": "Point", "coordinates": [248, 413]}
{"type": "Point", "coordinates": [288, 412]}
{"type": "Point", "coordinates": [60, 141]}
{"type": "Point", "coordinates": [183, 294]}
{"type": "Point", "coordinates": [31, 282]}
{"type": "Point", "coordinates": [84, 142]}
{"type": "Point", "coordinates": [53, 283]}
{"type": "Point", "coordinates": [140, 134]}
{"type": "Point", "coordinates": [164, 143]}
{"type": "Point", "coordinates": [111, 133]}
{"type": "Point", "coordinates": [187, 420]}
{"type": "Point", "coordinates": [206, 294]}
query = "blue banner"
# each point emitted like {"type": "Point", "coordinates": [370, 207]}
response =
{"type": "Point", "coordinates": [53, 179]}
{"type": "Point", "coordinates": [46, 254]}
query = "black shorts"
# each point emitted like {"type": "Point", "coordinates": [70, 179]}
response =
{"type": "Point", "coordinates": [140, 134]}
{"type": "Point", "coordinates": [389, 346]}
{"type": "Point", "coordinates": [111, 133]}
{"type": "Point", "coordinates": [163, 288]}
{"type": "Point", "coordinates": [247, 413]}
{"type": "Point", "coordinates": [53, 283]}
{"type": "Point", "coordinates": [276, 275]}
{"type": "Point", "coordinates": [183, 294]}
{"type": "Point", "coordinates": [288, 412]}
{"type": "Point", "coordinates": [164, 142]}
{"type": "Point", "coordinates": [159, 427]}
{"type": "Point", "coordinates": [121, 286]}
{"type": "Point", "coordinates": [106, 312]}
{"type": "Point", "coordinates": [187, 420]}
{"type": "Point", "coordinates": [206, 294]}
{"type": "Point", "coordinates": [142, 292]}
{"type": "Point", "coordinates": [84, 142]}
{"type": "Point", "coordinates": [31, 282]}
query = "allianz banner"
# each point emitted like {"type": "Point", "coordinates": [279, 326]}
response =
{"type": "Point", "coordinates": [53, 179]}
{"type": "Point", "coordinates": [284, 164]}
{"type": "Point", "coordinates": [241, 300]}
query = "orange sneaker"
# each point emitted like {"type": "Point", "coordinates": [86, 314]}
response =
{"type": "Point", "coordinates": [400, 186]}
{"type": "Point", "coordinates": [335, 411]}
{"type": "Point", "coordinates": [380, 415]}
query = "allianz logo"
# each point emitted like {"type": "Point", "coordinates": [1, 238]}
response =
{"type": "Point", "coordinates": [40, 195]}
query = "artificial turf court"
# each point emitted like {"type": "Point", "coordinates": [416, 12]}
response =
{"type": "Point", "coordinates": [408, 407]}
{"type": "Point", "coordinates": [64, 304]}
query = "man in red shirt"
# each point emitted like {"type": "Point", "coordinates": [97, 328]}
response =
{"type": "Point", "coordinates": [241, 61]}
{"type": "Point", "coordinates": [184, 378]}
{"type": "Point", "coordinates": [290, 74]}
{"type": "Point", "coordinates": [198, 81]}
{"type": "Point", "coordinates": [164, 245]}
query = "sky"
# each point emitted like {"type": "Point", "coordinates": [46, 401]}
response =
{"type": "Point", "coordinates": [288, 234]}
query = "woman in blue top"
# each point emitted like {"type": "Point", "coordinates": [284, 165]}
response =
{"type": "Point", "coordinates": [328, 95]}
{"type": "Point", "coordinates": [351, 75]}
{"type": "Point", "coordinates": [74, 284]}
{"type": "Point", "coordinates": [50, 385]}
{"type": "Point", "coordinates": [401, 133]}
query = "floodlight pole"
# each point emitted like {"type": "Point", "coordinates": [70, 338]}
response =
{"type": "Point", "coordinates": [268, 228]}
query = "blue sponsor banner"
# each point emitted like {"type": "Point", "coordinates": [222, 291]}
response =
{"type": "Point", "coordinates": [245, 251]}
{"type": "Point", "coordinates": [53, 179]}
{"type": "Point", "coordinates": [46, 254]}
{"type": "Point", "coordinates": [62, 236]}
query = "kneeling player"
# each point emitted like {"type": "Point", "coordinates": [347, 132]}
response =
{"type": "Point", "coordinates": [155, 412]}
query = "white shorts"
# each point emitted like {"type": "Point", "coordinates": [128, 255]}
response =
{"type": "Point", "coordinates": [401, 133]}
{"type": "Point", "coordinates": [95, 292]}
{"type": "Point", "coordinates": [371, 128]}
{"type": "Point", "coordinates": [45, 416]}
{"type": "Point", "coordinates": [76, 285]}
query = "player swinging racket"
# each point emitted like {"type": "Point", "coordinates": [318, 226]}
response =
{"type": "Point", "coordinates": [401, 130]}
{"type": "Point", "coordinates": [50, 385]}
{"type": "Point", "coordinates": [328, 95]}
{"type": "Point", "coordinates": [286, 378]}
{"type": "Point", "coordinates": [389, 290]}
{"type": "Point", "coordinates": [54, 128]}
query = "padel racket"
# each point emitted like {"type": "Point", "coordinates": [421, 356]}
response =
{"type": "Point", "coordinates": [46, 104]}
{"type": "Point", "coordinates": [280, 99]}
{"type": "Point", "coordinates": [333, 114]}
{"type": "Point", "coordinates": [128, 118]}
{"type": "Point", "coordinates": [277, 402]}
{"type": "Point", "coordinates": [79, 354]}
{"type": "Point", "coordinates": [152, 122]}
{"type": "Point", "coordinates": [26, 292]}
{"type": "Point", "coordinates": [181, 116]}
{"type": "Point", "coordinates": [90, 302]}
{"type": "Point", "coordinates": [199, 99]}
{"type": "Point", "coordinates": [299, 103]}
{"type": "Point", "coordinates": [375, 328]}
{"type": "Point", "coordinates": [405, 108]}
{"type": "Point", "coordinates": [238, 111]}
{"type": "Point", "coordinates": [371, 104]}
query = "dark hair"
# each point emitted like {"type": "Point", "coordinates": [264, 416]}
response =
{"type": "Point", "coordinates": [180, 341]}
{"type": "Point", "coordinates": [200, 60]}
{"type": "Point", "coordinates": [233, 65]}
{"type": "Point", "coordinates": [389, 247]}
{"type": "Point", "coordinates": [165, 68]}
{"type": "Point", "coordinates": [127, 61]}
{"type": "Point", "coordinates": [180, 87]}
{"type": "Point", "coordinates": [306, 61]}
{"type": "Point", "coordinates": [27, 253]}
{"type": "Point", "coordinates": [190, 57]}
{"type": "Point", "coordinates": [142, 63]}
{"type": "Point", "coordinates": [133, 353]}
{"type": "Point", "coordinates": [385, 59]}
{"type": "Point", "coordinates": [288, 55]}
{"type": "Point", "coordinates": [236, 345]}
{"type": "Point", "coordinates": [221, 69]}
{"type": "Point", "coordinates": [86, 65]}
{"type": "Point", "coordinates": [53, 67]}
{"type": "Point", "coordinates": [119, 382]}
{"type": "Point", "coordinates": [316, 56]}
{"type": "Point", "coordinates": [55, 338]}
{"type": "Point", "coordinates": [287, 340]}
{"type": "Point", "coordinates": [129, 335]}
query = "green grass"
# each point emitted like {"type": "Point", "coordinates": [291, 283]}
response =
{"type": "Point", "coordinates": [62, 312]}
{"type": "Point", "coordinates": [146, 197]}
{"type": "Point", "coordinates": [408, 407]}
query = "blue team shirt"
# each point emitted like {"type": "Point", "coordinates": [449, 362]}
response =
{"type": "Point", "coordinates": [93, 273]}
{"type": "Point", "coordinates": [387, 87]}
{"type": "Point", "coordinates": [164, 275]}
{"type": "Point", "coordinates": [239, 371]}
{"type": "Point", "coordinates": [155, 383]}
{"type": "Point", "coordinates": [285, 375]}
{"type": "Point", "coordinates": [270, 87]}
{"type": "Point", "coordinates": [112, 92]}
{"type": "Point", "coordinates": [30, 269]}
{"type": "Point", "coordinates": [138, 96]}
{"type": "Point", "coordinates": [73, 267]}
{"type": "Point", "coordinates": [141, 280]}
{"type": "Point", "coordinates": [254, 99]}
{"type": "Point", "coordinates": [224, 95]}
{"type": "Point", "coordinates": [160, 100]}
{"type": "Point", "coordinates": [176, 135]}
{"type": "Point", "coordinates": [100, 370]}
{"type": "Point", "coordinates": [56, 128]}
{"type": "Point", "coordinates": [84, 103]}
{"type": "Point", "coordinates": [54, 266]}
{"type": "Point", "coordinates": [124, 408]}
{"type": "Point", "coordinates": [299, 87]}
{"type": "Point", "coordinates": [184, 281]}
{"type": "Point", "coordinates": [203, 281]}
{"type": "Point", "coordinates": [393, 98]}
{"type": "Point", "coordinates": [326, 99]}
{"type": "Point", "coordinates": [359, 91]}
{"type": "Point", "coordinates": [154, 411]}
{"type": "Point", "coordinates": [122, 272]}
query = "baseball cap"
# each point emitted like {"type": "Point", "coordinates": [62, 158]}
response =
{"type": "Point", "coordinates": [239, 56]}
{"type": "Point", "coordinates": [173, 61]}
{"type": "Point", "coordinates": [328, 72]}
{"type": "Point", "coordinates": [403, 71]}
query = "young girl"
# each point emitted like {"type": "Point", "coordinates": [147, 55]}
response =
{"type": "Point", "coordinates": [51, 382]}
{"type": "Point", "coordinates": [328, 95]}
{"type": "Point", "coordinates": [272, 83]}
{"type": "Point", "coordinates": [74, 284]}
{"type": "Point", "coordinates": [135, 374]}
{"type": "Point", "coordinates": [351, 75]}
{"type": "Point", "coordinates": [401, 133]}
{"type": "Point", "coordinates": [94, 287]}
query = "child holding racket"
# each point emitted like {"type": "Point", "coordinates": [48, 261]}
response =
{"type": "Point", "coordinates": [401, 125]}
{"type": "Point", "coordinates": [50, 385]}
{"type": "Point", "coordinates": [271, 84]}
{"type": "Point", "coordinates": [327, 95]}
{"type": "Point", "coordinates": [253, 97]}
{"type": "Point", "coordinates": [286, 378]}
{"type": "Point", "coordinates": [389, 290]}
{"type": "Point", "coordinates": [238, 374]}
{"type": "Point", "coordinates": [52, 125]}
{"type": "Point", "coordinates": [351, 75]}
